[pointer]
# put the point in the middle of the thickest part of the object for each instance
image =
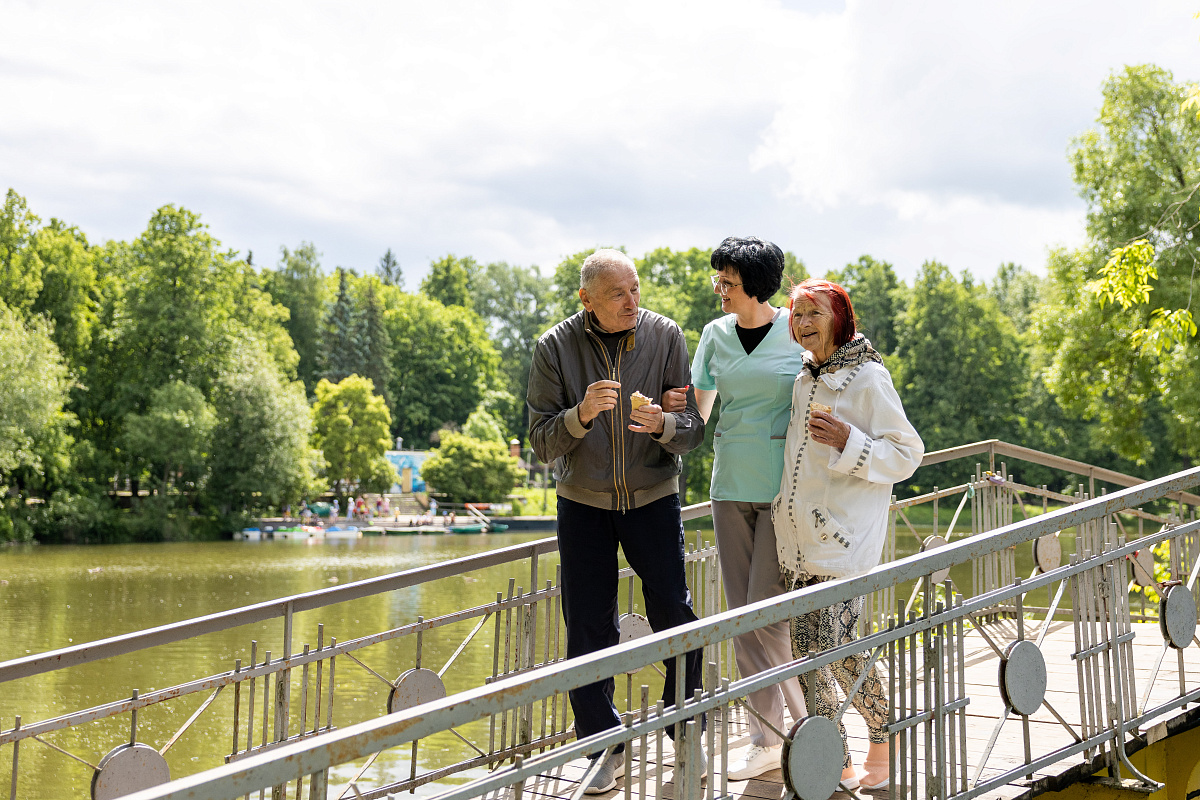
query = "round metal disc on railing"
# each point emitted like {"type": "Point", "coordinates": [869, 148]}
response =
{"type": "Point", "coordinates": [415, 687]}
{"type": "Point", "coordinates": [933, 543]}
{"type": "Point", "coordinates": [1143, 567]}
{"type": "Point", "coordinates": [1023, 677]}
{"type": "Point", "coordinates": [1047, 552]}
{"type": "Point", "coordinates": [127, 769]}
{"type": "Point", "coordinates": [633, 626]}
{"type": "Point", "coordinates": [1177, 616]}
{"type": "Point", "coordinates": [812, 757]}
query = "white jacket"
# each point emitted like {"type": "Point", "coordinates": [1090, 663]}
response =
{"type": "Point", "coordinates": [831, 512]}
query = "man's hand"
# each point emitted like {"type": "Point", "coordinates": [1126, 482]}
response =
{"type": "Point", "coordinates": [649, 418]}
{"type": "Point", "coordinates": [828, 429]}
{"type": "Point", "coordinates": [674, 400]}
{"type": "Point", "coordinates": [600, 396]}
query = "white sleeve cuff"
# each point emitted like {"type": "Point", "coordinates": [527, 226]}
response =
{"type": "Point", "coordinates": [855, 458]}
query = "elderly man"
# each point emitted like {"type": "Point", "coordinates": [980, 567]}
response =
{"type": "Point", "coordinates": [617, 470]}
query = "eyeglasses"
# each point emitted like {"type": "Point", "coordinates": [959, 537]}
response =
{"type": "Point", "coordinates": [721, 285]}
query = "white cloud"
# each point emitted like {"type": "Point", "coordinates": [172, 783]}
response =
{"type": "Point", "coordinates": [526, 131]}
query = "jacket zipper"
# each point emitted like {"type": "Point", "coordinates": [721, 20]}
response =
{"type": "Point", "coordinates": [621, 422]}
{"type": "Point", "coordinates": [612, 372]}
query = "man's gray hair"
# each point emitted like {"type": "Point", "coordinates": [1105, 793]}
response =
{"type": "Point", "coordinates": [601, 262]}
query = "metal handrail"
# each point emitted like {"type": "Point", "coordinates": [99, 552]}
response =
{"type": "Point", "coordinates": [321, 752]}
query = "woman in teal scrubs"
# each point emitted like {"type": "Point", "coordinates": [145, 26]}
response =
{"type": "Point", "coordinates": [750, 360]}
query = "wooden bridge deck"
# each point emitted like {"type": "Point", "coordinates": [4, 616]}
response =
{"type": "Point", "coordinates": [984, 710]}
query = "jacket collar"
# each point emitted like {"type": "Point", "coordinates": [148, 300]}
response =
{"type": "Point", "coordinates": [589, 325]}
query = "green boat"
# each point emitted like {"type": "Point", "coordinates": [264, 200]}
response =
{"type": "Point", "coordinates": [479, 527]}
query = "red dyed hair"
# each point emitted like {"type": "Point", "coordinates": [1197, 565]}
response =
{"type": "Point", "coordinates": [839, 302]}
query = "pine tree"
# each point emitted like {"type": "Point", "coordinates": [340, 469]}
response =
{"type": "Point", "coordinates": [389, 270]}
{"type": "Point", "coordinates": [343, 351]}
{"type": "Point", "coordinates": [298, 284]}
{"type": "Point", "coordinates": [377, 344]}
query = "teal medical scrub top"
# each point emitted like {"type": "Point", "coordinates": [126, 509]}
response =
{"type": "Point", "coordinates": [756, 403]}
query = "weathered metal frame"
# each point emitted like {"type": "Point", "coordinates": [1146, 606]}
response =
{"type": "Point", "coordinates": [357, 741]}
{"type": "Point", "coordinates": [519, 607]}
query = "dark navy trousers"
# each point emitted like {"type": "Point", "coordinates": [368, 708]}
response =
{"type": "Point", "coordinates": [652, 540]}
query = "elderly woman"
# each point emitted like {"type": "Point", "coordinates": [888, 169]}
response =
{"type": "Point", "coordinates": [847, 443]}
{"type": "Point", "coordinates": [749, 358]}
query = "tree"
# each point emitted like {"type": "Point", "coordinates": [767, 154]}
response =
{"type": "Point", "coordinates": [794, 271]}
{"type": "Point", "coordinates": [344, 351]}
{"type": "Point", "coordinates": [1016, 291]}
{"type": "Point", "coordinates": [173, 438]}
{"type": "Point", "coordinates": [449, 281]}
{"type": "Point", "coordinates": [178, 307]}
{"type": "Point", "coordinates": [1116, 322]}
{"type": "Point", "coordinates": [33, 422]}
{"type": "Point", "coordinates": [33, 390]}
{"type": "Point", "coordinates": [376, 343]}
{"type": "Point", "coordinates": [297, 284]}
{"type": "Point", "coordinates": [68, 293]}
{"type": "Point", "coordinates": [874, 291]}
{"type": "Point", "coordinates": [469, 470]}
{"type": "Point", "coordinates": [483, 426]}
{"type": "Point", "coordinates": [675, 283]}
{"type": "Point", "coordinates": [958, 366]}
{"type": "Point", "coordinates": [513, 300]}
{"type": "Point", "coordinates": [20, 267]}
{"type": "Point", "coordinates": [351, 430]}
{"type": "Point", "coordinates": [389, 271]}
{"type": "Point", "coordinates": [261, 453]}
{"type": "Point", "coordinates": [171, 305]}
{"type": "Point", "coordinates": [442, 367]}
{"type": "Point", "coordinates": [564, 286]}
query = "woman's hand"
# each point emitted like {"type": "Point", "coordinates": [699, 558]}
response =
{"type": "Point", "coordinates": [674, 400]}
{"type": "Point", "coordinates": [828, 429]}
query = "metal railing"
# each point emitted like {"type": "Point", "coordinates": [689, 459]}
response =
{"type": "Point", "coordinates": [521, 709]}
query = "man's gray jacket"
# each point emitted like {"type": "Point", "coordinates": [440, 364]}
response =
{"type": "Point", "coordinates": [606, 465]}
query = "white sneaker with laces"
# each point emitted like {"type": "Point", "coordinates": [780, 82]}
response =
{"type": "Point", "coordinates": [754, 762]}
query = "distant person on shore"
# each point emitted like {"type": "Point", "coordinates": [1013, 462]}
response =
{"type": "Point", "coordinates": [333, 510]}
{"type": "Point", "coordinates": [617, 467]}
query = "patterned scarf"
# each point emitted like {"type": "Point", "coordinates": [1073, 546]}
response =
{"type": "Point", "coordinates": [854, 352]}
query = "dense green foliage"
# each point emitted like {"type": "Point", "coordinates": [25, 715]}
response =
{"type": "Point", "coordinates": [466, 469]}
{"type": "Point", "coordinates": [299, 286]}
{"type": "Point", "coordinates": [350, 427]}
{"type": "Point", "coordinates": [164, 387]}
{"type": "Point", "coordinates": [1139, 172]}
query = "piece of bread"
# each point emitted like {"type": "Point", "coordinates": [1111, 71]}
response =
{"type": "Point", "coordinates": [637, 400]}
{"type": "Point", "coordinates": [819, 407]}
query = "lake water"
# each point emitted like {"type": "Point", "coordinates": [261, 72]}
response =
{"type": "Point", "coordinates": [55, 596]}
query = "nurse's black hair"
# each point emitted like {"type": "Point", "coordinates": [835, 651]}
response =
{"type": "Point", "coordinates": [758, 264]}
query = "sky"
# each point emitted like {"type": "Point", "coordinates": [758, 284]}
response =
{"type": "Point", "coordinates": [528, 131]}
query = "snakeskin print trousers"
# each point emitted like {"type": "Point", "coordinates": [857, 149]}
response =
{"type": "Point", "coordinates": [825, 629]}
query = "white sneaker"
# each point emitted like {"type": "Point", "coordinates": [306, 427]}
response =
{"type": "Point", "coordinates": [754, 762]}
{"type": "Point", "coordinates": [612, 768]}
